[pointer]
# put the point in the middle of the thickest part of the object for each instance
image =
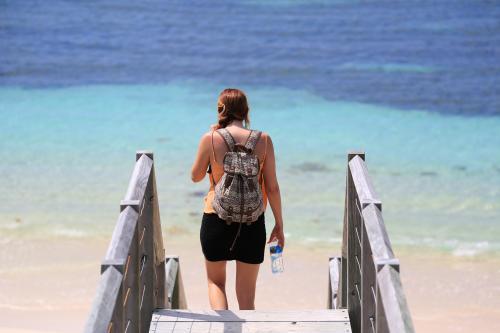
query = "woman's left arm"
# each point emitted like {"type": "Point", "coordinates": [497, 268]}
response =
{"type": "Point", "coordinates": [200, 165]}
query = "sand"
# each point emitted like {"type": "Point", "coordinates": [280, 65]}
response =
{"type": "Point", "coordinates": [49, 285]}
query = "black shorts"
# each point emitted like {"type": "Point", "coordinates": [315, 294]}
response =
{"type": "Point", "coordinates": [216, 238]}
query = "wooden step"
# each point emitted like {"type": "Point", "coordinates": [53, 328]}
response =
{"type": "Point", "coordinates": [249, 321]}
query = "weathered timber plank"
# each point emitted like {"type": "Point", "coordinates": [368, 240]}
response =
{"type": "Point", "coordinates": [343, 271]}
{"type": "Point", "coordinates": [333, 282]}
{"type": "Point", "coordinates": [181, 302]}
{"type": "Point", "coordinates": [163, 315]}
{"type": "Point", "coordinates": [146, 255]}
{"type": "Point", "coordinates": [135, 204]}
{"type": "Point", "coordinates": [376, 251]}
{"type": "Point", "coordinates": [105, 301]}
{"type": "Point", "coordinates": [139, 153]}
{"type": "Point", "coordinates": [393, 314]}
{"type": "Point", "coordinates": [139, 179]}
{"type": "Point", "coordinates": [354, 274]}
{"type": "Point", "coordinates": [157, 234]}
{"type": "Point", "coordinates": [121, 240]}
{"type": "Point", "coordinates": [363, 183]}
{"type": "Point", "coordinates": [131, 286]}
{"type": "Point", "coordinates": [251, 327]}
{"type": "Point", "coordinates": [159, 250]}
{"type": "Point", "coordinates": [377, 234]}
{"type": "Point", "coordinates": [369, 276]}
{"type": "Point", "coordinates": [176, 298]}
{"type": "Point", "coordinates": [351, 154]}
{"type": "Point", "coordinates": [171, 269]}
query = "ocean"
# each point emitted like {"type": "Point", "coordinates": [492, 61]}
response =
{"type": "Point", "coordinates": [414, 84]}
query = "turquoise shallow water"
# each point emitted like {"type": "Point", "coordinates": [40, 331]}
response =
{"type": "Point", "coordinates": [67, 155]}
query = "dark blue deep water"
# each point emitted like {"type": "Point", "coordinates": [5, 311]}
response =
{"type": "Point", "coordinates": [438, 56]}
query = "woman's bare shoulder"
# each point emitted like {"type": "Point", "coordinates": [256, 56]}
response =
{"type": "Point", "coordinates": [265, 144]}
{"type": "Point", "coordinates": [208, 135]}
{"type": "Point", "coordinates": [206, 138]}
{"type": "Point", "coordinates": [264, 135]}
{"type": "Point", "coordinates": [266, 138]}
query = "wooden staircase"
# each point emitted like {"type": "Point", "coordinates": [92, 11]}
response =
{"type": "Point", "coordinates": [141, 289]}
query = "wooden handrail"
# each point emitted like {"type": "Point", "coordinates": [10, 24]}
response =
{"type": "Point", "coordinates": [176, 299]}
{"type": "Point", "coordinates": [334, 268]}
{"type": "Point", "coordinates": [392, 309]}
{"type": "Point", "coordinates": [369, 283]}
{"type": "Point", "coordinates": [106, 305]}
{"type": "Point", "coordinates": [133, 280]}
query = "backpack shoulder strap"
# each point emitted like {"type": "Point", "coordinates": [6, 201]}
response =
{"type": "Point", "coordinates": [252, 139]}
{"type": "Point", "coordinates": [228, 138]}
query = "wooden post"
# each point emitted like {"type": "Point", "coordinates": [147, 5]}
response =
{"type": "Point", "coordinates": [139, 153]}
{"type": "Point", "coordinates": [368, 289]}
{"type": "Point", "coordinates": [344, 290]}
{"type": "Point", "coordinates": [176, 298]}
{"type": "Point", "coordinates": [160, 299]}
{"type": "Point", "coordinates": [146, 259]}
{"type": "Point", "coordinates": [335, 266]}
{"type": "Point", "coordinates": [353, 224]}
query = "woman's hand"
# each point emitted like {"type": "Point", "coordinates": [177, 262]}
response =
{"type": "Point", "coordinates": [213, 127]}
{"type": "Point", "coordinates": [278, 233]}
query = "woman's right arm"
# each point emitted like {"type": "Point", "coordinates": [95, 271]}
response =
{"type": "Point", "coordinates": [273, 192]}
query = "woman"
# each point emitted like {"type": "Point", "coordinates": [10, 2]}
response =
{"type": "Point", "coordinates": [215, 235]}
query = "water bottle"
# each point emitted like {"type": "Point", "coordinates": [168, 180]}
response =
{"type": "Point", "coordinates": [276, 257]}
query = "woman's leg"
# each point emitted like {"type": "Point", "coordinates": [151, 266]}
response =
{"type": "Point", "coordinates": [246, 280]}
{"type": "Point", "coordinates": [216, 275]}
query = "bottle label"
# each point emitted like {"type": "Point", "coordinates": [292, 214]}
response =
{"type": "Point", "coordinates": [276, 257]}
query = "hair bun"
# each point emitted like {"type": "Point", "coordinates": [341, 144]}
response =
{"type": "Point", "coordinates": [232, 105]}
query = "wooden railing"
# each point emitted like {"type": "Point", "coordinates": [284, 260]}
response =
{"type": "Point", "coordinates": [176, 298]}
{"type": "Point", "coordinates": [365, 279]}
{"type": "Point", "coordinates": [134, 280]}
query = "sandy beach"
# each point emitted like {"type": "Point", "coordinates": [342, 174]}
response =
{"type": "Point", "coordinates": [48, 286]}
{"type": "Point", "coordinates": [84, 85]}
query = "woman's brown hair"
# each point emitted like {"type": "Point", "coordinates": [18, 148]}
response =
{"type": "Point", "coordinates": [232, 105]}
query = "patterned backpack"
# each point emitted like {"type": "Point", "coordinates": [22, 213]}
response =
{"type": "Point", "coordinates": [238, 196]}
